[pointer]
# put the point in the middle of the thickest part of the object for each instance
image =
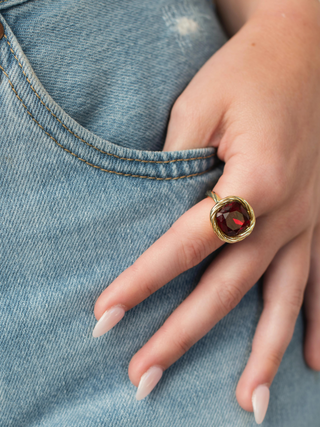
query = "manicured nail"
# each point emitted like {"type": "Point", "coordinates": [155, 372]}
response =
{"type": "Point", "coordinates": [108, 320]}
{"type": "Point", "coordinates": [148, 381]}
{"type": "Point", "coordinates": [260, 401]}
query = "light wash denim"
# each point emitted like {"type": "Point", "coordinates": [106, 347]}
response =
{"type": "Point", "coordinates": [84, 190]}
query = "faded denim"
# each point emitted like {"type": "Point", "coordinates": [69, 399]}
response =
{"type": "Point", "coordinates": [84, 190]}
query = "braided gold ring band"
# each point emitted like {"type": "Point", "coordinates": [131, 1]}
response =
{"type": "Point", "coordinates": [232, 218]}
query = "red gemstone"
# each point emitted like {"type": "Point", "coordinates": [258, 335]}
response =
{"type": "Point", "coordinates": [233, 218]}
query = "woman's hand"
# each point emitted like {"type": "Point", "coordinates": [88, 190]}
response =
{"type": "Point", "coordinates": [258, 101]}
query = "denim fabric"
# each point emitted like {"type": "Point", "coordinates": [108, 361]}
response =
{"type": "Point", "coordinates": [82, 197]}
{"type": "Point", "coordinates": [116, 67]}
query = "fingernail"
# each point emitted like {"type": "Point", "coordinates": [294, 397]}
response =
{"type": "Point", "coordinates": [260, 401]}
{"type": "Point", "coordinates": [148, 381]}
{"type": "Point", "coordinates": [108, 320]}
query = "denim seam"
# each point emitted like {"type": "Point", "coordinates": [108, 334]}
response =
{"type": "Point", "coordinates": [91, 145]}
{"type": "Point", "coordinates": [91, 164]}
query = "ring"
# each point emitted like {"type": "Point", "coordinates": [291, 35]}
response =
{"type": "Point", "coordinates": [232, 218]}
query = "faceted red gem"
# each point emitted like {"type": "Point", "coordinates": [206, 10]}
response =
{"type": "Point", "coordinates": [233, 218]}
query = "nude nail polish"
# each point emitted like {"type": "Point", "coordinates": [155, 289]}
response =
{"type": "Point", "coordinates": [260, 401]}
{"type": "Point", "coordinates": [108, 320]}
{"type": "Point", "coordinates": [148, 381]}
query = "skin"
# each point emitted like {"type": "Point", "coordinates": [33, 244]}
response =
{"type": "Point", "coordinates": [258, 101]}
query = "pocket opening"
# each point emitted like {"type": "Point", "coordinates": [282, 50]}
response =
{"type": "Point", "coordinates": [95, 151]}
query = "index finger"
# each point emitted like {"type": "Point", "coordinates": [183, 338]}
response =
{"type": "Point", "coordinates": [189, 240]}
{"type": "Point", "coordinates": [184, 245]}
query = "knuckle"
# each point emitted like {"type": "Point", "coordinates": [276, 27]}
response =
{"type": "Point", "coordinates": [193, 252]}
{"type": "Point", "coordinates": [135, 270]}
{"type": "Point", "coordinates": [294, 300]}
{"type": "Point", "coordinates": [278, 190]}
{"type": "Point", "coordinates": [304, 199]}
{"type": "Point", "coordinates": [183, 343]}
{"type": "Point", "coordinates": [274, 358]}
{"type": "Point", "coordinates": [145, 287]}
{"type": "Point", "coordinates": [229, 295]}
{"type": "Point", "coordinates": [190, 251]}
{"type": "Point", "coordinates": [274, 181]}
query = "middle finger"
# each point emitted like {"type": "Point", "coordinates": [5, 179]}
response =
{"type": "Point", "coordinates": [221, 287]}
{"type": "Point", "coordinates": [184, 245]}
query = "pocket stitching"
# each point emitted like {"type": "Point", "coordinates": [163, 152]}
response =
{"type": "Point", "coordinates": [85, 161]}
{"type": "Point", "coordinates": [91, 145]}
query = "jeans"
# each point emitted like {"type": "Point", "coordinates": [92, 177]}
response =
{"type": "Point", "coordinates": [85, 94]}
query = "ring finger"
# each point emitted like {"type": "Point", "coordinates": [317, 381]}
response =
{"type": "Point", "coordinates": [235, 270]}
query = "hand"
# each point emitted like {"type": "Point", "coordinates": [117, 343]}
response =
{"type": "Point", "coordinates": [258, 101]}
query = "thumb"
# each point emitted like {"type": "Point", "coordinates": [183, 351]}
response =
{"type": "Point", "coordinates": [195, 115]}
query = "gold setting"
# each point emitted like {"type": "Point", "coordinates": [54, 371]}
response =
{"type": "Point", "coordinates": [222, 202]}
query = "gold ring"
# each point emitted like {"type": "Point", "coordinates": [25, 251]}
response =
{"type": "Point", "coordinates": [232, 218]}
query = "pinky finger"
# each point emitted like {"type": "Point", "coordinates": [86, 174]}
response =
{"type": "Point", "coordinates": [283, 287]}
{"type": "Point", "coordinates": [312, 306]}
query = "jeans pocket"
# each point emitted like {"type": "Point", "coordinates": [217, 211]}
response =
{"type": "Point", "coordinates": [31, 110]}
